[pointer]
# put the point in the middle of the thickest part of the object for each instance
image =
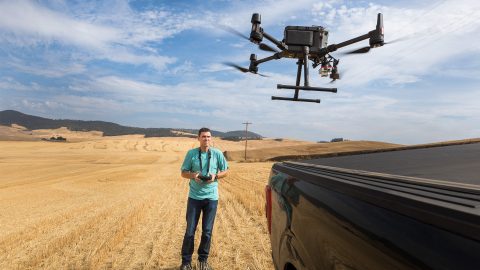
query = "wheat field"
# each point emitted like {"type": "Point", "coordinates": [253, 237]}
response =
{"type": "Point", "coordinates": [119, 203]}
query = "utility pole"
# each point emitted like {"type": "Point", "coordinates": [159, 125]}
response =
{"type": "Point", "coordinates": [246, 137]}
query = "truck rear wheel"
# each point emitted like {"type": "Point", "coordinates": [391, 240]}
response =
{"type": "Point", "coordinates": [289, 266]}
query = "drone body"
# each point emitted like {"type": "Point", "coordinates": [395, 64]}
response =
{"type": "Point", "coordinates": [306, 44]}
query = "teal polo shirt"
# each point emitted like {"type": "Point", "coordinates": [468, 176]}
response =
{"type": "Point", "coordinates": [192, 164]}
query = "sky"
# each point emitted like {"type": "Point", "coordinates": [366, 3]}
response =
{"type": "Point", "coordinates": [160, 64]}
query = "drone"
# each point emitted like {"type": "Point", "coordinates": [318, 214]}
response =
{"type": "Point", "coordinates": [305, 43]}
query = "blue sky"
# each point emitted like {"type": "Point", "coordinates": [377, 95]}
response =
{"type": "Point", "coordinates": [159, 64]}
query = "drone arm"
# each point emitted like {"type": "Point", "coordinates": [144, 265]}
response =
{"type": "Point", "coordinates": [375, 36]}
{"type": "Point", "coordinates": [266, 59]}
{"type": "Point", "coordinates": [274, 41]}
{"type": "Point", "coordinates": [334, 47]}
{"type": "Point", "coordinates": [350, 41]}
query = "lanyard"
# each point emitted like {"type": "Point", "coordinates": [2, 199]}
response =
{"type": "Point", "coordinates": [208, 160]}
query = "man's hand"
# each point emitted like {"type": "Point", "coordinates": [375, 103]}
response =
{"type": "Point", "coordinates": [196, 175]}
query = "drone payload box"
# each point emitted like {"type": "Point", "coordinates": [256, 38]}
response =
{"type": "Point", "coordinates": [296, 37]}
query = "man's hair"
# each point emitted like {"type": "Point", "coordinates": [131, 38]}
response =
{"type": "Point", "coordinates": [203, 129]}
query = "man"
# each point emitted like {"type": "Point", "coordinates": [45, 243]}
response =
{"type": "Point", "coordinates": [203, 166]}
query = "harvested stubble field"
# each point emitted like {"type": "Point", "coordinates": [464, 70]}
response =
{"type": "Point", "coordinates": [119, 203]}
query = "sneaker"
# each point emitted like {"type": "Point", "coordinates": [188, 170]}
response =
{"type": "Point", "coordinates": [186, 267]}
{"type": "Point", "coordinates": [204, 266]}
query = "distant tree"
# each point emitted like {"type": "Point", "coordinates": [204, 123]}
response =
{"type": "Point", "coordinates": [60, 138]}
{"type": "Point", "coordinates": [240, 138]}
{"type": "Point", "coordinates": [337, 140]}
{"type": "Point", "coordinates": [233, 138]}
{"type": "Point", "coordinates": [57, 139]}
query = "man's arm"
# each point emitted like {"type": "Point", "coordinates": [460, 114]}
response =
{"type": "Point", "coordinates": [222, 174]}
{"type": "Point", "coordinates": [186, 169]}
{"type": "Point", "coordinates": [222, 167]}
{"type": "Point", "coordinates": [189, 175]}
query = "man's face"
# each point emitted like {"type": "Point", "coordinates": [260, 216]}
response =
{"type": "Point", "coordinates": [204, 138]}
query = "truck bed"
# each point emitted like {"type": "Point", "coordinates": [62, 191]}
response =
{"type": "Point", "coordinates": [454, 163]}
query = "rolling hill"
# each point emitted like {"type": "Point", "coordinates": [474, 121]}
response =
{"type": "Point", "coordinates": [31, 122]}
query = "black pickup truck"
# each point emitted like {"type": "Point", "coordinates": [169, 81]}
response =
{"type": "Point", "coordinates": [407, 209]}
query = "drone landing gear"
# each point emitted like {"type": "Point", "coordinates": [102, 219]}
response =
{"type": "Point", "coordinates": [302, 62]}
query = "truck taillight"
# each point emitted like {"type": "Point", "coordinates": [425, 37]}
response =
{"type": "Point", "coordinates": [268, 207]}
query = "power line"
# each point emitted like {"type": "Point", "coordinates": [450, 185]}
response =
{"type": "Point", "coordinates": [246, 137]}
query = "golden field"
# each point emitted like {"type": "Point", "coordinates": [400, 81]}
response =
{"type": "Point", "coordinates": [119, 203]}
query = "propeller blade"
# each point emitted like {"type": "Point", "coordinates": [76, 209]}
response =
{"type": "Point", "coordinates": [233, 31]}
{"type": "Point", "coordinates": [242, 69]}
{"type": "Point", "coordinates": [360, 50]}
{"type": "Point", "coordinates": [262, 46]}
{"type": "Point", "coordinates": [367, 49]}
{"type": "Point", "coordinates": [265, 47]}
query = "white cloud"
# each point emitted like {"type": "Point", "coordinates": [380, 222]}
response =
{"type": "Point", "coordinates": [9, 84]}
{"type": "Point", "coordinates": [27, 24]}
{"type": "Point", "coordinates": [53, 71]}
{"type": "Point", "coordinates": [122, 55]}
{"type": "Point", "coordinates": [434, 34]}
{"type": "Point", "coordinates": [26, 17]}
{"type": "Point", "coordinates": [185, 67]}
{"type": "Point", "coordinates": [119, 87]}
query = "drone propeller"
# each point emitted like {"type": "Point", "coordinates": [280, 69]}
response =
{"type": "Point", "coordinates": [367, 49]}
{"type": "Point", "coordinates": [233, 31]}
{"type": "Point", "coordinates": [242, 69]}
{"type": "Point", "coordinates": [261, 46]}
{"type": "Point", "coordinates": [360, 50]}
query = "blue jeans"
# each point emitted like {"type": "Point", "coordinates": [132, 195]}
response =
{"type": "Point", "coordinates": [194, 208]}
